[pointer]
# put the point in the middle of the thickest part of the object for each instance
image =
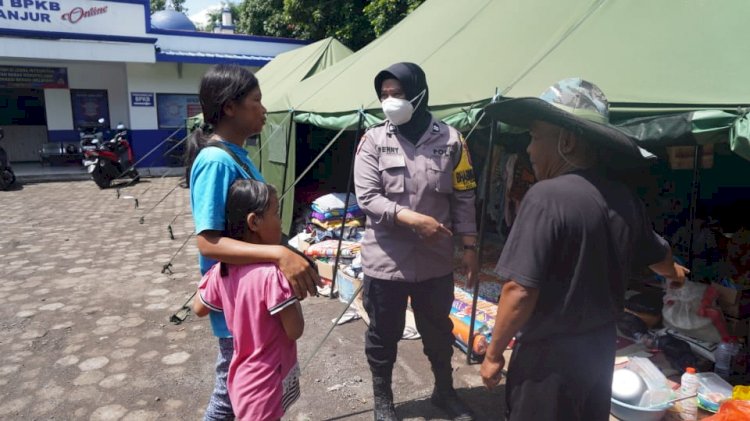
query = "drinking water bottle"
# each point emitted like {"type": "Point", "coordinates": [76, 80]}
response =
{"type": "Point", "coordinates": [723, 358]}
{"type": "Point", "coordinates": [689, 387]}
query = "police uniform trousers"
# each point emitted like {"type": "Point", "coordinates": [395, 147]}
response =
{"type": "Point", "coordinates": [385, 302]}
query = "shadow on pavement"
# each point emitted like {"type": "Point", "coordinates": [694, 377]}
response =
{"type": "Point", "coordinates": [487, 405]}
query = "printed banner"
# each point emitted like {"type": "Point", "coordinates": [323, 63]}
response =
{"type": "Point", "coordinates": [173, 110]}
{"type": "Point", "coordinates": [33, 77]}
{"type": "Point", "coordinates": [74, 16]}
{"type": "Point", "coordinates": [89, 105]}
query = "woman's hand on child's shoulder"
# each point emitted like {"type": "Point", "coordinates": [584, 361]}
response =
{"type": "Point", "coordinates": [302, 276]}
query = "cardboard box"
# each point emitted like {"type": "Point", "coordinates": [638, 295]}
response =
{"type": "Point", "coordinates": [738, 327]}
{"type": "Point", "coordinates": [734, 302]}
{"type": "Point", "coordinates": [683, 157]}
{"type": "Point", "coordinates": [325, 269]}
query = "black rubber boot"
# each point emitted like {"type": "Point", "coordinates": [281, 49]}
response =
{"type": "Point", "coordinates": [383, 397]}
{"type": "Point", "coordinates": [445, 397]}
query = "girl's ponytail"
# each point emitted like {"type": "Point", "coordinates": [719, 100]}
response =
{"type": "Point", "coordinates": [195, 142]}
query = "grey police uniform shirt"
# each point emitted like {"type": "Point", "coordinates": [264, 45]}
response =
{"type": "Point", "coordinates": [433, 177]}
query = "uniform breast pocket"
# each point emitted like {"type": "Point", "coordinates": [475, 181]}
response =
{"type": "Point", "coordinates": [440, 174]}
{"type": "Point", "coordinates": [392, 170]}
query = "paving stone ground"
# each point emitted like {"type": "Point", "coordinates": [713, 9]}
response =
{"type": "Point", "coordinates": [85, 331]}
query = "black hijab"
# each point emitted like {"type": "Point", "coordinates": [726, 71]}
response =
{"type": "Point", "coordinates": [413, 81]}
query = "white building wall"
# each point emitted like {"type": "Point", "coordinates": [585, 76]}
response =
{"type": "Point", "coordinates": [225, 44]}
{"type": "Point", "coordinates": [161, 78]}
{"type": "Point", "coordinates": [63, 49]}
{"type": "Point", "coordinates": [83, 75]}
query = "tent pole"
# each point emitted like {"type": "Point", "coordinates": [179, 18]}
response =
{"type": "Point", "coordinates": [480, 237]}
{"type": "Point", "coordinates": [694, 196]}
{"type": "Point", "coordinates": [286, 163]}
{"type": "Point", "coordinates": [346, 199]}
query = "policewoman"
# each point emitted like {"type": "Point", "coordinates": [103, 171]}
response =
{"type": "Point", "coordinates": [414, 181]}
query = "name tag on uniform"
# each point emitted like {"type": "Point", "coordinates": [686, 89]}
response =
{"type": "Point", "coordinates": [391, 161]}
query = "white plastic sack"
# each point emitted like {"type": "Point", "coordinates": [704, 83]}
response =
{"type": "Point", "coordinates": [680, 312]}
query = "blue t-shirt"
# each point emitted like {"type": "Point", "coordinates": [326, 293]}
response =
{"type": "Point", "coordinates": [213, 173]}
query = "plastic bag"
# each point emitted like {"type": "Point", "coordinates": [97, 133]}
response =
{"type": "Point", "coordinates": [681, 312]}
{"type": "Point", "coordinates": [657, 389]}
{"type": "Point", "coordinates": [732, 410]}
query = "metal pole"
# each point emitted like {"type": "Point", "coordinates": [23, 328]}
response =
{"type": "Point", "coordinates": [286, 162]}
{"type": "Point", "coordinates": [486, 170]}
{"type": "Point", "coordinates": [694, 197]}
{"type": "Point", "coordinates": [349, 180]}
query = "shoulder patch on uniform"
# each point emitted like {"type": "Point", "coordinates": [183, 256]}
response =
{"type": "Point", "coordinates": [362, 141]}
{"type": "Point", "coordinates": [463, 174]}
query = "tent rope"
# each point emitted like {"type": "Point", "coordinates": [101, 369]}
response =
{"type": "Point", "coordinates": [289, 114]}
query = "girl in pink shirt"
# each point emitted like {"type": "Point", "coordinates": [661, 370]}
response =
{"type": "Point", "coordinates": [261, 310]}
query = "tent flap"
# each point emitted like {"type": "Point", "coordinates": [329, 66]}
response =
{"type": "Point", "coordinates": [336, 121]}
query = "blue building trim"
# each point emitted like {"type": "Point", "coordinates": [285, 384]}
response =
{"type": "Point", "coordinates": [209, 60]}
{"type": "Point", "coordinates": [144, 141]}
{"type": "Point", "coordinates": [70, 35]}
{"type": "Point", "coordinates": [67, 136]}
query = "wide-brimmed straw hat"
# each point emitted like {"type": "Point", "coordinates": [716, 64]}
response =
{"type": "Point", "coordinates": [573, 104]}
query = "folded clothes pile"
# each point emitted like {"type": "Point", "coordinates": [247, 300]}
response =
{"type": "Point", "coordinates": [328, 211]}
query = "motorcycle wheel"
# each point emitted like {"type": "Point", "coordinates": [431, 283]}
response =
{"type": "Point", "coordinates": [101, 178]}
{"type": "Point", "coordinates": [7, 178]}
{"type": "Point", "coordinates": [135, 176]}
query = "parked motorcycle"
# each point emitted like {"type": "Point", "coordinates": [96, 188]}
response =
{"type": "Point", "coordinates": [7, 178]}
{"type": "Point", "coordinates": [91, 135]}
{"type": "Point", "coordinates": [110, 159]}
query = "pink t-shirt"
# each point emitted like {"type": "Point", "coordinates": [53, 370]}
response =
{"type": "Point", "coordinates": [263, 374]}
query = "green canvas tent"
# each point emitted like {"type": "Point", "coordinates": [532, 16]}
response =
{"type": "Point", "coordinates": [649, 57]}
{"type": "Point", "coordinates": [668, 55]}
{"type": "Point", "coordinates": [280, 75]}
{"type": "Point", "coordinates": [276, 79]}
{"type": "Point", "coordinates": [274, 153]}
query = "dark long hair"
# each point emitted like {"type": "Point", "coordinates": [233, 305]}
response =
{"type": "Point", "coordinates": [220, 85]}
{"type": "Point", "coordinates": [245, 197]}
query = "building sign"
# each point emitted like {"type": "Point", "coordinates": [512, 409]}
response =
{"type": "Point", "coordinates": [173, 110]}
{"type": "Point", "coordinates": [74, 16]}
{"type": "Point", "coordinates": [33, 77]}
{"type": "Point", "coordinates": [142, 99]}
{"type": "Point", "coordinates": [89, 105]}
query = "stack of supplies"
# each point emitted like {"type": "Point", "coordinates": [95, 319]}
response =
{"type": "Point", "coordinates": [327, 248]}
{"type": "Point", "coordinates": [328, 211]}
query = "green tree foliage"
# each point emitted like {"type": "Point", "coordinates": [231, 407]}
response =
{"type": "Point", "coordinates": [353, 22]}
{"type": "Point", "coordinates": [157, 5]}
{"type": "Point", "coordinates": [384, 14]}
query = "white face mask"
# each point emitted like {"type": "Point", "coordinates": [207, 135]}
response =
{"type": "Point", "coordinates": [399, 111]}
